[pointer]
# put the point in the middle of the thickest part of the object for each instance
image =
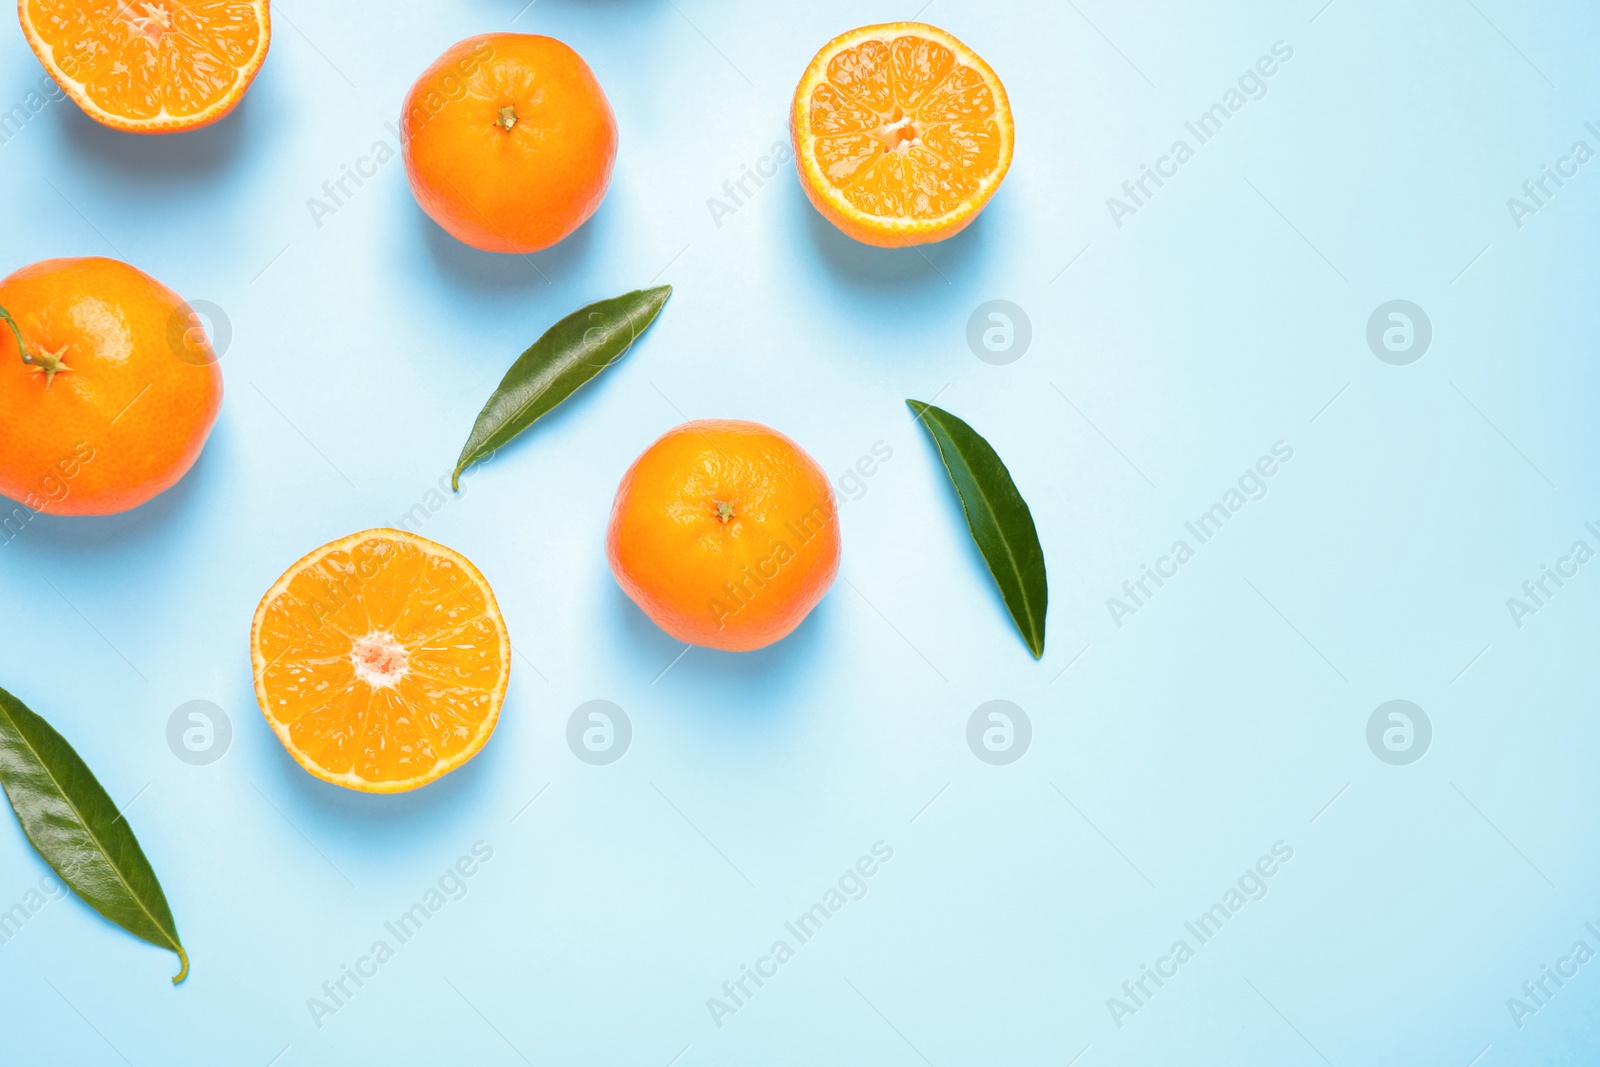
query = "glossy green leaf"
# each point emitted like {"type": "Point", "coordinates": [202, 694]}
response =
{"type": "Point", "coordinates": [571, 352]}
{"type": "Point", "coordinates": [999, 518]}
{"type": "Point", "coordinates": [70, 819]}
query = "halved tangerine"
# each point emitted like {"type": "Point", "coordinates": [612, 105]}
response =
{"type": "Point", "coordinates": [150, 66]}
{"type": "Point", "coordinates": [381, 661]}
{"type": "Point", "coordinates": [901, 133]}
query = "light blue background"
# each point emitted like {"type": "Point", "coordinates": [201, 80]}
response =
{"type": "Point", "coordinates": [1167, 755]}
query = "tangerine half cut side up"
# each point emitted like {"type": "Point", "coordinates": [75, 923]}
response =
{"type": "Point", "coordinates": [150, 66]}
{"type": "Point", "coordinates": [901, 133]}
{"type": "Point", "coordinates": [381, 661]}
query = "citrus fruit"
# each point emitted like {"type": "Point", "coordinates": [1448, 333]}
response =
{"type": "Point", "coordinates": [509, 141]}
{"type": "Point", "coordinates": [725, 533]}
{"type": "Point", "coordinates": [901, 133]}
{"type": "Point", "coordinates": [381, 661]}
{"type": "Point", "coordinates": [150, 66]}
{"type": "Point", "coordinates": [115, 394]}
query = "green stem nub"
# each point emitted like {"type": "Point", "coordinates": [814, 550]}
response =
{"type": "Point", "coordinates": [49, 362]}
{"type": "Point", "coordinates": [508, 117]}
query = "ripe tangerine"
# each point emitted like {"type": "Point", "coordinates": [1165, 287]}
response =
{"type": "Point", "coordinates": [114, 393]}
{"type": "Point", "coordinates": [725, 533]}
{"type": "Point", "coordinates": [509, 141]}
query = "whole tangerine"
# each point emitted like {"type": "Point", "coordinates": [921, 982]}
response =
{"type": "Point", "coordinates": [725, 533]}
{"type": "Point", "coordinates": [509, 141]}
{"type": "Point", "coordinates": [112, 394]}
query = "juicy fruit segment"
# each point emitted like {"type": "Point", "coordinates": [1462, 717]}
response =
{"type": "Point", "coordinates": [150, 65]}
{"type": "Point", "coordinates": [381, 661]}
{"type": "Point", "coordinates": [921, 136]}
{"type": "Point", "coordinates": [901, 124]}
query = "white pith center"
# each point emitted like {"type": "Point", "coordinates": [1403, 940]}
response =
{"type": "Point", "coordinates": [379, 659]}
{"type": "Point", "coordinates": [148, 20]}
{"type": "Point", "coordinates": [898, 131]}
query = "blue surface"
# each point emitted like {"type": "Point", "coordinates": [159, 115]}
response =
{"type": "Point", "coordinates": [1168, 754]}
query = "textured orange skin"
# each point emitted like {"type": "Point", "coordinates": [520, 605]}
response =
{"type": "Point", "coordinates": [115, 323]}
{"type": "Point", "coordinates": [864, 228]}
{"type": "Point", "coordinates": [724, 584]}
{"type": "Point", "coordinates": [517, 190]}
{"type": "Point", "coordinates": [219, 110]}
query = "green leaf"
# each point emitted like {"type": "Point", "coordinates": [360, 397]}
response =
{"type": "Point", "coordinates": [571, 352]}
{"type": "Point", "coordinates": [70, 819]}
{"type": "Point", "coordinates": [999, 518]}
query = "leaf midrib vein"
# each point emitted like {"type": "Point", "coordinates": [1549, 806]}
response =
{"type": "Point", "coordinates": [62, 792]}
{"type": "Point", "coordinates": [1005, 542]}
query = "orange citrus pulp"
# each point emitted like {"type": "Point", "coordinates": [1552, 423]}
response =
{"type": "Point", "coordinates": [901, 133]}
{"type": "Point", "coordinates": [381, 661]}
{"type": "Point", "coordinates": [150, 66]}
